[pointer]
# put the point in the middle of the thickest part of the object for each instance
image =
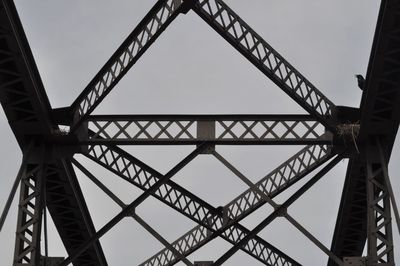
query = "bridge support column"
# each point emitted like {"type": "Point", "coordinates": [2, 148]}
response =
{"type": "Point", "coordinates": [379, 230]}
{"type": "Point", "coordinates": [31, 202]}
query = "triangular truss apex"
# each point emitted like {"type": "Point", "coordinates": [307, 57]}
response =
{"type": "Point", "coordinates": [233, 29]}
{"type": "Point", "coordinates": [330, 133]}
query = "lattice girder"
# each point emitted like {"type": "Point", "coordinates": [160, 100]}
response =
{"type": "Point", "coordinates": [27, 240]}
{"type": "Point", "coordinates": [195, 129]}
{"type": "Point", "coordinates": [379, 231]}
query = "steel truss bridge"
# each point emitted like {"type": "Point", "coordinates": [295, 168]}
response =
{"type": "Point", "coordinates": [47, 179]}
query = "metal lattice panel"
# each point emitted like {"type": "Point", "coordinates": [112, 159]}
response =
{"type": "Point", "coordinates": [191, 130]}
{"type": "Point", "coordinates": [272, 184]}
{"type": "Point", "coordinates": [380, 239]}
{"type": "Point", "coordinates": [27, 243]}
{"type": "Point", "coordinates": [48, 181]}
{"type": "Point", "coordinates": [172, 194]}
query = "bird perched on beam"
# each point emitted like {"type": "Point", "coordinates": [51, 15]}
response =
{"type": "Point", "coordinates": [360, 81]}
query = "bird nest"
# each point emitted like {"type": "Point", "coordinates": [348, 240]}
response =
{"type": "Point", "coordinates": [349, 132]}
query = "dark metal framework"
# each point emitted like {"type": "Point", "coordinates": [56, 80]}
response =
{"type": "Point", "coordinates": [329, 133]}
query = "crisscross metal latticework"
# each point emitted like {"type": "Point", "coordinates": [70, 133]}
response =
{"type": "Point", "coordinates": [200, 236]}
{"type": "Point", "coordinates": [283, 176]}
{"type": "Point", "coordinates": [173, 195]}
{"type": "Point", "coordinates": [227, 23]}
{"type": "Point", "coordinates": [27, 242]}
{"type": "Point", "coordinates": [192, 129]}
{"type": "Point", "coordinates": [48, 181]}
{"type": "Point", "coordinates": [272, 184]}
{"type": "Point", "coordinates": [380, 240]}
{"type": "Point", "coordinates": [144, 177]}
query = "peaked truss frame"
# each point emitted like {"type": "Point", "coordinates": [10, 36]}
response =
{"type": "Point", "coordinates": [48, 181]}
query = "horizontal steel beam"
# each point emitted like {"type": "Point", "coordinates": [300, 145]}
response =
{"type": "Point", "coordinates": [216, 129]}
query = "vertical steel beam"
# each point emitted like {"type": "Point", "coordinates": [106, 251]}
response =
{"type": "Point", "coordinates": [27, 240]}
{"type": "Point", "coordinates": [379, 230]}
{"type": "Point", "coordinates": [389, 185]}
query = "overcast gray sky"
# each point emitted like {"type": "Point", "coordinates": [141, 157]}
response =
{"type": "Point", "coordinates": [191, 69]}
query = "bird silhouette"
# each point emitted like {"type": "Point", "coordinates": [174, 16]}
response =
{"type": "Point", "coordinates": [360, 81]}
